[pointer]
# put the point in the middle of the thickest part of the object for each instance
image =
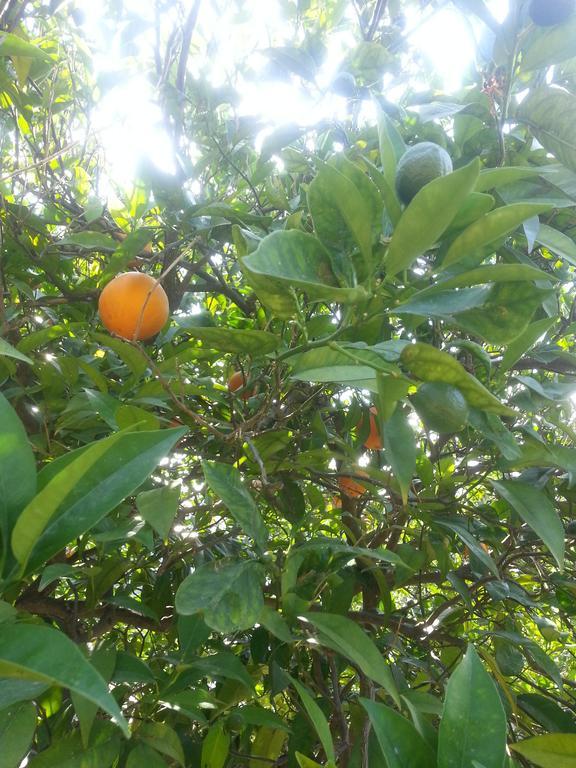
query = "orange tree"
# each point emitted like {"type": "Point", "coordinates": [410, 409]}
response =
{"type": "Point", "coordinates": [186, 578]}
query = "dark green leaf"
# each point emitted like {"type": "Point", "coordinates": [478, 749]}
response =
{"type": "Point", "coordinates": [227, 593]}
{"type": "Point", "coordinates": [400, 742]}
{"type": "Point", "coordinates": [69, 752]}
{"type": "Point", "coordinates": [226, 482]}
{"type": "Point", "coordinates": [316, 716]}
{"type": "Point", "coordinates": [400, 446]}
{"type": "Point", "coordinates": [249, 342]}
{"type": "Point", "coordinates": [346, 637]}
{"type": "Point", "coordinates": [17, 726]}
{"type": "Point", "coordinates": [46, 655]}
{"type": "Point", "coordinates": [472, 698]}
{"type": "Point", "coordinates": [537, 510]}
{"type": "Point", "coordinates": [163, 739]}
{"type": "Point", "coordinates": [17, 469]}
{"type": "Point", "coordinates": [428, 216]}
{"type": "Point", "coordinates": [143, 755]}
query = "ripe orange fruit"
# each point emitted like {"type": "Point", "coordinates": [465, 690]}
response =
{"type": "Point", "coordinates": [373, 442]}
{"type": "Point", "coordinates": [351, 487]}
{"type": "Point", "coordinates": [238, 381]}
{"type": "Point", "coordinates": [133, 306]}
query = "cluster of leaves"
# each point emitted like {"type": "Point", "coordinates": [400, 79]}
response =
{"type": "Point", "coordinates": [181, 564]}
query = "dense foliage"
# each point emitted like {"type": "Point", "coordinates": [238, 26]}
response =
{"type": "Point", "coordinates": [198, 574]}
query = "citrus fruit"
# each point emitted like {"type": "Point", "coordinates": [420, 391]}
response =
{"type": "Point", "coordinates": [373, 441]}
{"type": "Point", "coordinates": [349, 486]}
{"type": "Point", "coordinates": [238, 381]}
{"type": "Point", "coordinates": [418, 166]}
{"type": "Point", "coordinates": [549, 13]}
{"type": "Point", "coordinates": [134, 306]}
{"type": "Point", "coordinates": [441, 407]}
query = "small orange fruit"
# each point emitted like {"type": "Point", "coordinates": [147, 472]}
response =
{"type": "Point", "coordinates": [133, 306]}
{"type": "Point", "coordinates": [351, 487]}
{"type": "Point", "coordinates": [238, 381]}
{"type": "Point", "coordinates": [373, 442]}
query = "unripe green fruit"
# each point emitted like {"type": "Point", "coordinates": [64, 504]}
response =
{"type": "Point", "coordinates": [418, 166]}
{"type": "Point", "coordinates": [549, 13]}
{"type": "Point", "coordinates": [441, 407]}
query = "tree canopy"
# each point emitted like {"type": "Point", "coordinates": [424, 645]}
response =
{"type": "Point", "coordinates": [324, 516]}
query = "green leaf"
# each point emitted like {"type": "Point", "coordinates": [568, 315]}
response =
{"type": "Point", "coordinates": [474, 206]}
{"type": "Point", "coordinates": [252, 714]}
{"type": "Point", "coordinates": [345, 206]}
{"type": "Point", "coordinates": [129, 354]}
{"type": "Point", "coordinates": [225, 665]}
{"type": "Point", "coordinates": [317, 717]}
{"type": "Point", "coordinates": [547, 712]}
{"type": "Point", "coordinates": [525, 342]}
{"type": "Point", "coordinates": [13, 45]}
{"type": "Point", "coordinates": [226, 482]}
{"type": "Point", "coordinates": [537, 510]}
{"type": "Point", "coordinates": [400, 446]}
{"type": "Point", "coordinates": [159, 507]}
{"type": "Point", "coordinates": [489, 425]}
{"type": "Point", "coordinates": [69, 752]}
{"type": "Point", "coordinates": [17, 470]}
{"type": "Point", "coordinates": [17, 726]}
{"type": "Point", "coordinates": [163, 739]}
{"type": "Point", "coordinates": [136, 419]}
{"type": "Point", "coordinates": [493, 178]}
{"type": "Point", "coordinates": [87, 485]}
{"type": "Point", "coordinates": [552, 750]}
{"type": "Point", "coordinates": [430, 364]}
{"type": "Point", "coordinates": [306, 762]}
{"type": "Point", "coordinates": [215, 747]}
{"type": "Point", "coordinates": [472, 699]}
{"type": "Point", "coordinates": [227, 593]}
{"type": "Point", "coordinates": [489, 228]}
{"type": "Point", "coordinates": [347, 638]}
{"type": "Point", "coordinates": [400, 742]}
{"type": "Point", "coordinates": [13, 690]}
{"type": "Point", "coordinates": [490, 273]}
{"type": "Point", "coordinates": [293, 259]}
{"type": "Point", "coordinates": [7, 350]}
{"type": "Point", "coordinates": [459, 526]}
{"type": "Point", "coordinates": [428, 216]}
{"type": "Point", "coordinates": [41, 653]}
{"type": "Point", "coordinates": [505, 314]}
{"type": "Point", "coordinates": [239, 342]}
{"type": "Point", "coordinates": [560, 244]}
{"type": "Point", "coordinates": [550, 112]}
{"type": "Point", "coordinates": [351, 364]}
{"type": "Point", "coordinates": [143, 755]}
{"type": "Point", "coordinates": [103, 660]}
{"type": "Point", "coordinates": [93, 241]}
{"type": "Point", "coordinates": [545, 47]}
{"type": "Point", "coordinates": [391, 147]}
{"type": "Point", "coordinates": [267, 746]}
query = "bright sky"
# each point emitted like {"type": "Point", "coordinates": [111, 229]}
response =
{"type": "Point", "coordinates": [129, 122]}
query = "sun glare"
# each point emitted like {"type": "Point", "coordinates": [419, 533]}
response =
{"type": "Point", "coordinates": [129, 123]}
